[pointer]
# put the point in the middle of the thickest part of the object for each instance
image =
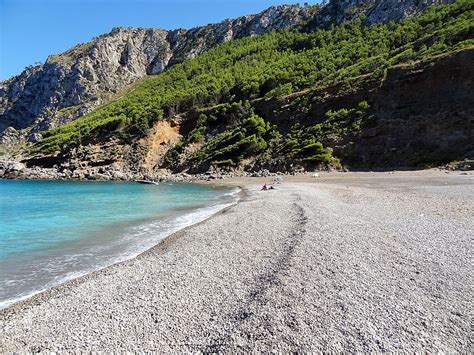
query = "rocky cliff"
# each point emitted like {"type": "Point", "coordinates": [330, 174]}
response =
{"type": "Point", "coordinates": [69, 85]}
{"type": "Point", "coordinates": [422, 115]}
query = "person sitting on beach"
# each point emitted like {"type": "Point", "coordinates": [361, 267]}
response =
{"type": "Point", "coordinates": [264, 188]}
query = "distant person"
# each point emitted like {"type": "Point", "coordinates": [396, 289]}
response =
{"type": "Point", "coordinates": [264, 188]}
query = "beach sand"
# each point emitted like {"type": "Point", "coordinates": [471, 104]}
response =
{"type": "Point", "coordinates": [342, 262]}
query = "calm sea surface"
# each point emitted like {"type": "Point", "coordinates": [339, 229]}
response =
{"type": "Point", "coordinates": [53, 231]}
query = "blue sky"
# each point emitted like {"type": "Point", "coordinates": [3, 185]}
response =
{"type": "Point", "coordinates": [30, 30]}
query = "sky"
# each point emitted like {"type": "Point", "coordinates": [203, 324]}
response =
{"type": "Point", "coordinates": [30, 30]}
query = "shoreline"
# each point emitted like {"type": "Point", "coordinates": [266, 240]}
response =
{"type": "Point", "coordinates": [243, 184]}
{"type": "Point", "coordinates": [328, 176]}
{"type": "Point", "coordinates": [15, 170]}
{"type": "Point", "coordinates": [299, 268]}
{"type": "Point", "coordinates": [45, 294]}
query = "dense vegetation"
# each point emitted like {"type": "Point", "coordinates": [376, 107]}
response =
{"type": "Point", "coordinates": [228, 134]}
{"type": "Point", "coordinates": [269, 66]}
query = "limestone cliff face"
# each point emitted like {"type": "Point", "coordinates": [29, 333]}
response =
{"type": "Point", "coordinates": [376, 11]}
{"type": "Point", "coordinates": [71, 84]}
{"type": "Point", "coordinates": [394, 10]}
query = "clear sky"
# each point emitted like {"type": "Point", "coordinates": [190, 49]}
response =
{"type": "Point", "coordinates": [30, 30]}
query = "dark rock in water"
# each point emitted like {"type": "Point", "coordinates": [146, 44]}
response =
{"type": "Point", "coordinates": [146, 182]}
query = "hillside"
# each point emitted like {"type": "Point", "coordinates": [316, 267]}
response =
{"type": "Point", "coordinates": [355, 95]}
{"type": "Point", "coordinates": [72, 84]}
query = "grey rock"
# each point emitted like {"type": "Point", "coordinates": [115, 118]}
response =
{"type": "Point", "coordinates": [34, 137]}
{"type": "Point", "coordinates": [375, 11]}
{"type": "Point", "coordinates": [395, 10]}
{"type": "Point", "coordinates": [9, 135]}
{"type": "Point", "coordinates": [117, 175]}
{"type": "Point", "coordinates": [16, 166]}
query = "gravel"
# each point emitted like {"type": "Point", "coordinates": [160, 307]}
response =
{"type": "Point", "coordinates": [363, 264]}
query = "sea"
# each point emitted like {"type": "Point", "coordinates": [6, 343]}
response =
{"type": "Point", "coordinates": [54, 231]}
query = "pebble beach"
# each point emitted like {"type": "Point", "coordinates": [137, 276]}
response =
{"type": "Point", "coordinates": [357, 263]}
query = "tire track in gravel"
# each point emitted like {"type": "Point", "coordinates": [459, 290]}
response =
{"type": "Point", "coordinates": [267, 280]}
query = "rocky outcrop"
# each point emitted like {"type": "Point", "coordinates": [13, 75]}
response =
{"type": "Point", "coordinates": [423, 115]}
{"type": "Point", "coordinates": [375, 11]}
{"type": "Point", "coordinates": [71, 84]}
{"type": "Point", "coordinates": [395, 10]}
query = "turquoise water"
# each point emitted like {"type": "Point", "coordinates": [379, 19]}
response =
{"type": "Point", "coordinates": [52, 231]}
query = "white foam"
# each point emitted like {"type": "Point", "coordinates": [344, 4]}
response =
{"type": "Point", "coordinates": [148, 234]}
{"type": "Point", "coordinates": [68, 277]}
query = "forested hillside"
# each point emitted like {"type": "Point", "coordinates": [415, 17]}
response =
{"type": "Point", "coordinates": [224, 86]}
{"type": "Point", "coordinates": [71, 84]}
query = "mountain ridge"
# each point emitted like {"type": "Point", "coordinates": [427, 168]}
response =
{"type": "Point", "coordinates": [71, 84]}
{"type": "Point", "coordinates": [86, 75]}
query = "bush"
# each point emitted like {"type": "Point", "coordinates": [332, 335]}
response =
{"type": "Point", "coordinates": [225, 163]}
{"type": "Point", "coordinates": [281, 90]}
{"type": "Point", "coordinates": [312, 149]}
{"type": "Point", "coordinates": [318, 158]}
{"type": "Point", "coordinates": [197, 135]}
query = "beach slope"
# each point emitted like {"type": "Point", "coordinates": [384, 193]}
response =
{"type": "Point", "coordinates": [375, 263]}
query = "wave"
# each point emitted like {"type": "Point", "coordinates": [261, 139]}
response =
{"type": "Point", "coordinates": [133, 241]}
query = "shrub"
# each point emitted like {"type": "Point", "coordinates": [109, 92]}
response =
{"type": "Point", "coordinates": [225, 163]}
{"type": "Point", "coordinates": [281, 90]}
